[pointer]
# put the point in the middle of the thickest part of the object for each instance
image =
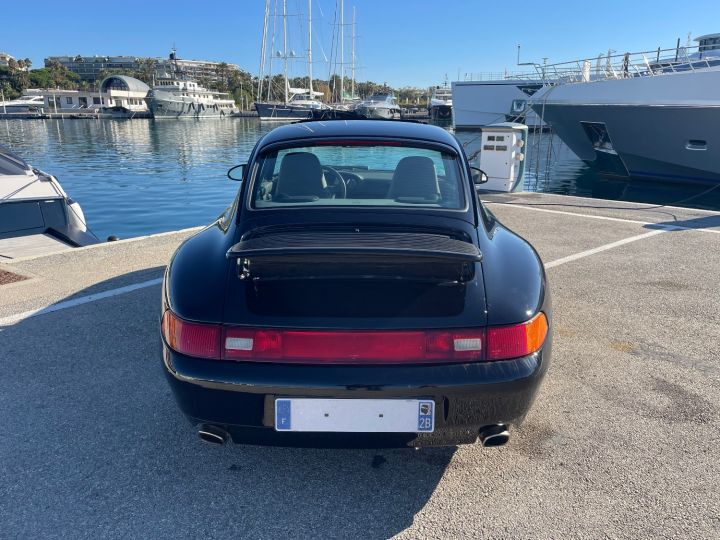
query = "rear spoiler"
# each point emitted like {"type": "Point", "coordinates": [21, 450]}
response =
{"type": "Point", "coordinates": [417, 256]}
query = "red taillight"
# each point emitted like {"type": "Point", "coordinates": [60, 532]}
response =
{"type": "Point", "coordinates": [193, 339]}
{"type": "Point", "coordinates": [339, 347]}
{"type": "Point", "coordinates": [353, 347]}
{"type": "Point", "coordinates": [505, 342]}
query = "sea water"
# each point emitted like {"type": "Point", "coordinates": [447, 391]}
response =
{"type": "Point", "coordinates": [137, 177]}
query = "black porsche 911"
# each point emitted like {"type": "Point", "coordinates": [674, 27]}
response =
{"type": "Point", "coordinates": [356, 293]}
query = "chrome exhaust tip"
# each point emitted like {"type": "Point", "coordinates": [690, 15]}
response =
{"type": "Point", "coordinates": [213, 434]}
{"type": "Point", "coordinates": [496, 435]}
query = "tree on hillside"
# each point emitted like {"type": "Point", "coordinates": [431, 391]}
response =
{"type": "Point", "coordinates": [40, 78]}
{"type": "Point", "coordinates": [8, 92]}
{"type": "Point", "coordinates": [146, 71]}
{"type": "Point", "coordinates": [221, 71]}
{"type": "Point", "coordinates": [13, 66]}
{"type": "Point", "coordinates": [62, 77]}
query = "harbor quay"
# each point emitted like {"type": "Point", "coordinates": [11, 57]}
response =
{"type": "Point", "coordinates": [622, 440]}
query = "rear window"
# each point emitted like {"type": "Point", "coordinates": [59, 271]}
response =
{"type": "Point", "coordinates": [352, 174]}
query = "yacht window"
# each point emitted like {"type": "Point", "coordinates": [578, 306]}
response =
{"type": "Point", "coordinates": [68, 101]}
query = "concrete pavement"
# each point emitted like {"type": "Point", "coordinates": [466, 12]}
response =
{"type": "Point", "coordinates": [623, 440]}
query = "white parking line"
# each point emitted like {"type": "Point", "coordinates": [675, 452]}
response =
{"type": "Point", "coordinates": [608, 218]}
{"type": "Point", "coordinates": [13, 319]}
{"type": "Point", "coordinates": [605, 247]}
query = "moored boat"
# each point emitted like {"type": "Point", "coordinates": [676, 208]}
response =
{"type": "Point", "coordinates": [36, 215]}
{"type": "Point", "coordinates": [25, 103]}
{"type": "Point", "coordinates": [176, 96]}
{"type": "Point", "coordinates": [641, 119]}
{"type": "Point", "coordinates": [300, 105]}
{"type": "Point", "coordinates": [440, 103]}
{"type": "Point", "coordinates": [381, 106]}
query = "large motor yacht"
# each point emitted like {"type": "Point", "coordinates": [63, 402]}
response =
{"type": "Point", "coordinates": [175, 95]}
{"type": "Point", "coordinates": [440, 103]}
{"type": "Point", "coordinates": [642, 117]}
{"type": "Point", "coordinates": [36, 215]}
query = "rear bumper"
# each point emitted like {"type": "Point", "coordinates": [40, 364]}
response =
{"type": "Point", "coordinates": [240, 396]}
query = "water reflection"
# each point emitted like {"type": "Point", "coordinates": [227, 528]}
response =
{"type": "Point", "coordinates": [139, 177]}
{"type": "Point", "coordinates": [136, 177]}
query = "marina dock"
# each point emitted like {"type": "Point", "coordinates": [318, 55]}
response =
{"type": "Point", "coordinates": [622, 441]}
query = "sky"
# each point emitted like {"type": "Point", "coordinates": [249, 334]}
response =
{"type": "Point", "coordinates": [402, 43]}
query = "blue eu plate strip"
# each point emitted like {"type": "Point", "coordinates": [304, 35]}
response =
{"type": "Point", "coordinates": [282, 414]}
{"type": "Point", "coordinates": [425, 415]}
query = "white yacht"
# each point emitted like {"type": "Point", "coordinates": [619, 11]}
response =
{"type": "Point", "coordinates": [440, 102]}
{"type": "Point", "coordinates": [642, 115]}
{"type": "Point", "coordinates": [381, 105]}
{"type": "Point", "coordinates": [177, 96]}
{"type": "Point", "coordinates": [479, 103]}
{"type": "Point", "coordinates": [36, 215]}
{"type": "Point", "coordinates": [25, 103]}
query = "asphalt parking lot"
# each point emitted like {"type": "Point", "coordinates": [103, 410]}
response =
{"type": "Point", "coordinates": [623, 440]}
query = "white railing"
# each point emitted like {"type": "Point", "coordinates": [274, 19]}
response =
{"type": "Point", "coordinates": [627, 65]}
{"type": "Point", "coordinates": [499, 75]}
{"type": "Point", "coordinates": [612, 66]}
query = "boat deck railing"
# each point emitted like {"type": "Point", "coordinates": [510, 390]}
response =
{"type": "Point", "coordinates": [500, 75]}
{"type": "Point", "coordinates": [612, 66]}
{"type": "Point", "coordinates": [628, 65]}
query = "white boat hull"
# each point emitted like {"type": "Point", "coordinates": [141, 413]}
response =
{"type": "Point", "coordinates": [169, 106]}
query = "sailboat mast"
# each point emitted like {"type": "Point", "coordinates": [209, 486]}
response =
{"type": "Point", "coordinates": [272, 53]}
{"type": "Point", "coordinates": [352, 87]}
{"type": "Point", "coordinates": [285, 55]}
{"type": "Point", "coordinates": [310, 73]}
{"type": "Point", "coordinates": [342, 49]}
{"type": "Point", "coordinates": [263, 52]}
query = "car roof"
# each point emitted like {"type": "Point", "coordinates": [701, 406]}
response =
{"type": "Point", "coordinates": [360, 128]}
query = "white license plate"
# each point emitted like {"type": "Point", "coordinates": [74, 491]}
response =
{"type": "Point", "coordinates": [355, 415]}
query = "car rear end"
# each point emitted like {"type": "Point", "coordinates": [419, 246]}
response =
{"type": "Point", "coordinates": [347, 328]}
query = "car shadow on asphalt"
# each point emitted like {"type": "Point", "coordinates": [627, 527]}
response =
{"type": "Point", "coordinates": [94, 445]}
{"type": "Point", "coordinates": [711, 222]}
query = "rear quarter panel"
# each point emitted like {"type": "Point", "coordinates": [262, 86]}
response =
{"type": "Point", "coordinates": [515, 282]}
{"type": "Point", "coordinates": [195, 279]}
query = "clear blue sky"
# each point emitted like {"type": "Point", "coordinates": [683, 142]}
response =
{"type": "Point", "coordinates": [402, 43]}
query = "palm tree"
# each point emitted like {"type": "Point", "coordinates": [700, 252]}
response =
{"type": "Point", "coordinates": [146, 73]}
{"type": "Point", "coordinates": [28, 63]}
{"type": "Point", "coordinates": [221, 70]}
